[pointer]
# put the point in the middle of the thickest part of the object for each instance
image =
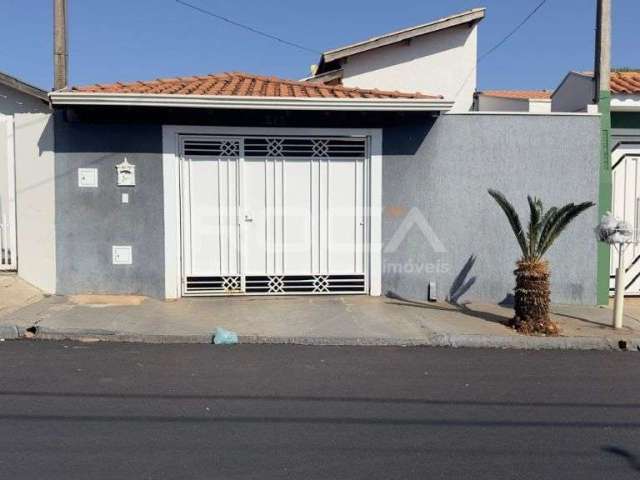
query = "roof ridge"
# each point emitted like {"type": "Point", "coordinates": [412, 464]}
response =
{"type": "Point", "coordinates": [242, 86]}
{"type": "Point", "coordinates": [459, 18]}
{"type": "Point", "coordinates": [341, 88]}
{"type": "Point", "coordinates": [516, 90]}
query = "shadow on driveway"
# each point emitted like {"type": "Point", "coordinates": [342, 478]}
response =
{"type": "Point", "coordinates": [452, 308]}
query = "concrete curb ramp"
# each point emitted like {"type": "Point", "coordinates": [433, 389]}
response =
{"type": "Point", "coordinates": [13, 332]}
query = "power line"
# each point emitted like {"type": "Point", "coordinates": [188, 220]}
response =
{"type": "Point", "coordinates": [500, 43]}
{"type": "Point", "coordinates": [512, 32]}
{"type": "Point", "coordinates": [248, 28]}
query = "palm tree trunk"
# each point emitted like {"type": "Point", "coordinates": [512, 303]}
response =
{"type": "Point", "coordinates": [532, 299]}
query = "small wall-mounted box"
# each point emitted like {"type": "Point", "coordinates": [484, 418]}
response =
{"type": "Point", "coordinates": [126, 174]}
{"type": "Point", "coordinates": [122, 255]}
{"type": "Point", "coordinates": [88, 177]}
{"type": "Point", "coordinates": [433, 292]}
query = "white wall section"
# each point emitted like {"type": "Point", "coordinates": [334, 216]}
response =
{"type": "Point", "coordinates": [440, 63]}
{"type": "Point", "coordinates": [33, 145]}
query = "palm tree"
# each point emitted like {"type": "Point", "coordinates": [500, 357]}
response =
{"type": "Point", "coordinates": [532, 292]}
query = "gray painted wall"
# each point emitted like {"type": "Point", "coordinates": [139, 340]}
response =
{"type": "Point", "coordinates": [90, 220]}
{"type": "Point", "coordinates": [446, 177]}
{"type": "Point", "coordinates": [441, 169]}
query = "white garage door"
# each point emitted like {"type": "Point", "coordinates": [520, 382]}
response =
{"type": "Point", "coordinates": [274, 215]}
{"type": "Point", "coordinates": [626, 206]}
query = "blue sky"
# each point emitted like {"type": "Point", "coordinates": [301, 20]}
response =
{"type": "Point", "coordinates": [143, 39]}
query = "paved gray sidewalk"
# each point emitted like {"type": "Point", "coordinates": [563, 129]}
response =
{"type": "Point", "coordinates": [335, 320]}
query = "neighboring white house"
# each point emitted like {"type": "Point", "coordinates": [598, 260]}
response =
{"type": "Point", "coordinates": [27, 193]}
{"type": "Point", "coordinates": [533, 101]}
{"type": "Point", "coordinates": [436, 57]}
{"type": "Point", "coordinates": [576, 93]}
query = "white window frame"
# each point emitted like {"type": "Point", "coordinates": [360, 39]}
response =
{"type": "Point", "coordinates": [171, 185]}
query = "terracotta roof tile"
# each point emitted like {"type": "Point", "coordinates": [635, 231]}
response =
{"type": "Point", "coordinates": [621, 82]}
{"type": "Point", "coordinates": [518, 94]}
{"type": "Point", "coordinates": [242, 84]}
{"type": "Point", "coordinates": [625, 83]}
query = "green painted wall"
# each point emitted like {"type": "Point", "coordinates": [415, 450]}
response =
{"type": "Point", "coordinates": [617, 120]}
{"type": "Point", "coordinates": [604, 197]}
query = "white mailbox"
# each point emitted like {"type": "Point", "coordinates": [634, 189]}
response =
{"type": "Point", "coordinates": [126, 173]}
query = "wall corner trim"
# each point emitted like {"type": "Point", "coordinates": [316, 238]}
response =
{"type": "Point", "coordinates": [171, 187]}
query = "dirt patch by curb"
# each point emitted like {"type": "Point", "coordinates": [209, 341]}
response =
{"type": "Point", "coordinates": [107, 300]}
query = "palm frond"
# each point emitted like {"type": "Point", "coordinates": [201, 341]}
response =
{"type": "Point", "coordinates": [514, 219]}
{"type": "Point", "coordinates": [550, 227]}
{"type": "Point", "coordinates": [561, 220]}
{"type": "Point", "coordinates": [536, 212]}
{"type": "Point", "coordinates": [545, 225]}
{"type": "Point", "coordinates": [554, 221]}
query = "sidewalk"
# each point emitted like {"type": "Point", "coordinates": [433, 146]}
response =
{"type": "Point", "coordinates": [15, 294]}
{"type": "Point", "coordinates": [321, 320]}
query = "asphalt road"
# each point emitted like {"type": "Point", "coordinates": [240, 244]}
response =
{"type": "Point", "coordinates": [119, 411]}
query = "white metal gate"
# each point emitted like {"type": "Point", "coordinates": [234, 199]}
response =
{"type": "Point", "coordinates": [626, 206]}
{"type": "Point", "coordinates": [274, 215]}
{"type": "Point", "coordinates": [8, 258]}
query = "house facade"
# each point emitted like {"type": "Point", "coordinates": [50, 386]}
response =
{"type": "Point", "coordinates": [439, 56]}
{"type": "Point", "coordinates": [27, 204]}
{"type": "Point", "coordinates": [370, 178]}
{"type": "Point", "coordinates": [247, 185]}
{"type": "Point", "coordinates": [575, 94]}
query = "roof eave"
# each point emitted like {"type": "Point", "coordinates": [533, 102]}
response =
{"type": "Point", "coordinates": [63, 98]}
{"type": "Point", "coordinates": [625, 102]}
{"type": "Point", "coordinates": [469, 16]}
{"type": "Point", "coordinates": [507, 97]}
{"type": "Point", "coordinates": [23, 87]}
{"type": "Point", "coordinates": [326, 76]}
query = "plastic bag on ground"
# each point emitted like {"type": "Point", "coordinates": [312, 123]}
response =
{"type": "Point", "coordinates": [225, 337]}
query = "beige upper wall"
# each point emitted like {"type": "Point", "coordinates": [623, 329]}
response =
{"type": "Point", "coordinates": [488, 103]}
{"type": "Point", "coordinates": [440, 63]}
{"type": "Point", "coordinates": [34, 186]}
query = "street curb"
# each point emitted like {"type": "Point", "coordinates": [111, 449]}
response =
{"type": "Point", "coordinates": [99, 335]}
{"type": "Point", "coordinates": [523, 342]}
{"type": "Point", "coordinates": [519, 342]}
{"type": "Point", "coordinates": [460, 341]}
{"type": "Point", "coordinates": [9, 332]}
